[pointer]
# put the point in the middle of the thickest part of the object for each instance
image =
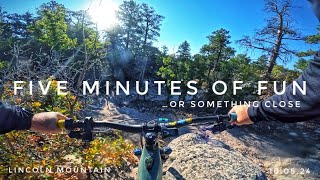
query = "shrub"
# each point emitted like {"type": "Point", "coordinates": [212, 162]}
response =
{"type": "Point", "coordinates": [29, 149]}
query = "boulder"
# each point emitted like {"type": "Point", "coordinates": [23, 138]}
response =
{"type": "Point", "coordinates": [194, 158]}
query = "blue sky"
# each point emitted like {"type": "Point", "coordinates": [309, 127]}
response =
{"type": "Point", "coordinates": [193, 20]}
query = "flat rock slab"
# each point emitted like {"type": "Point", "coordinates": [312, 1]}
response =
{"type": "Point", "coordinates": [193, 158]}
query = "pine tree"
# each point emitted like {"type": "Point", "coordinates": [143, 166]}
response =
{"type": "Point", "coordinates": [272, 39]}
{"type": "Point", "coordinates": [216, 51]}
{"type": "Point", "coordinates": [129, 17]}
{"type": "Point", "coordinates": [150, 26]}
{"type": "Point", "coordinates": [51, 27]}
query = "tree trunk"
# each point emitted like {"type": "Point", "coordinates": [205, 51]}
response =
{"type": "Point", "coordinates": [128, 39]}
{"type": "Point", "coordinates": [214, 65]}
{"type": "Point", "coordinates": [145, 50]}
{"type": "Point", "coordinates": [208, 76]}
{"type": "Point", "coordinates": [275, 53]}
{"type": "Point", "coordinates": [272, 63]}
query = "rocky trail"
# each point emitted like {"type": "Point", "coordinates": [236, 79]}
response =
{"type": "Point", "coordinates": [279, 151]}
{"type": "Point", "coordinates": [289, 154]}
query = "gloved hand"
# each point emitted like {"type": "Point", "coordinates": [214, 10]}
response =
{"type": "Point", "coordinates": [46, 122]}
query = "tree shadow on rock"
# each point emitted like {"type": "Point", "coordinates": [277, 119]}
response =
{"type": "Point", "coordinates": [175, 173]}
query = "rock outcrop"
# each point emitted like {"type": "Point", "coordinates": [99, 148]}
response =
{"type": "Point", "coordinates": [195, 157]}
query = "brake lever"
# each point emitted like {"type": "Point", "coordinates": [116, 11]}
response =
{"type": "Point", "coordinates": [84, 136]}
{"type": "Point", "coordinates": [169, 132]}
{"type": "Point", "coordinates": [219, 127]}
{"type": "Point", "coordinates": [80, 129]}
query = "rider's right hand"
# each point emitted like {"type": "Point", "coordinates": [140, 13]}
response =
{"type": "Point", "coordinates": [242, 115]}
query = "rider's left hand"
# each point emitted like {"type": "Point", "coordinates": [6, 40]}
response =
{"type": "Point", "coordinates": [47, 122]}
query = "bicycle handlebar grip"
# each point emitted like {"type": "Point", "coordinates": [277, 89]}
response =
{"type": "Point", "coordinates": [60, 124]}
{"type": "Point", "coordinates": [233, 116]}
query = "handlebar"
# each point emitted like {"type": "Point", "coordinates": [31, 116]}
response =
{"type": "Point", "coordinates": [196, 120]}
{"type": "Point", "coordinates": [89, 124]}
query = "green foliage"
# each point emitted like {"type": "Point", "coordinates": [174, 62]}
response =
{"type": "Point", "coordinates": [184, 51]}
{"type": "Point", "coordinates": [130, 43]}
{"type": "Point", "coordinates": [108, 151]}
{"type": "Point", "coordinates": [3, 25]}
{"type": "Point", "coordinates": [128, 15]}
{"type": "Point", "coordinates": [301, 64]}
{"type": "Point", "coordinates": [167, 70]}
{"type": "Point", "coordinates": [261, 64]}
{"type": "Point", "coordinates": [150, 26]}
{"type": "Point", "coordinates": [183, 66]}
{"type": "Point", "coordinates": [199, 67]}
{"type": "Point", "coordinates": [281, 73]}
{"type": "Point", "coordinates": [239, 68]}
{"type": "Point", "coordinates": [66, 104]}
{"type": "Point", "coordinates": [51, 27]}
{"type": "Point", "coordinates": [183, 61]}
{"type": "Point", "coordinates": [25, 149]}
{"type": "Point", "coordinates": [85, 35]}
{"type": "Point", "coordinates": [306, 56]}
{"type": "Point", "coordinates": [176, 67]}
{"type": "Point", "coordinates": [306, 53]}
{"type": "Point", "coordinates": [3, 64]}
{"type": "Point", "coordinates": [139, 26]}
{"type": "Point", "coordinates": [313, 39]}
{"type": "Point", "coordinates": [216, 51]}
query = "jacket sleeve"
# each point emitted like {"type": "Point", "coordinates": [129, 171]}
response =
{"type": "Point", "coordinates": [14, 118]}
{"type": "Point", "coordinates": [309, 104]}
